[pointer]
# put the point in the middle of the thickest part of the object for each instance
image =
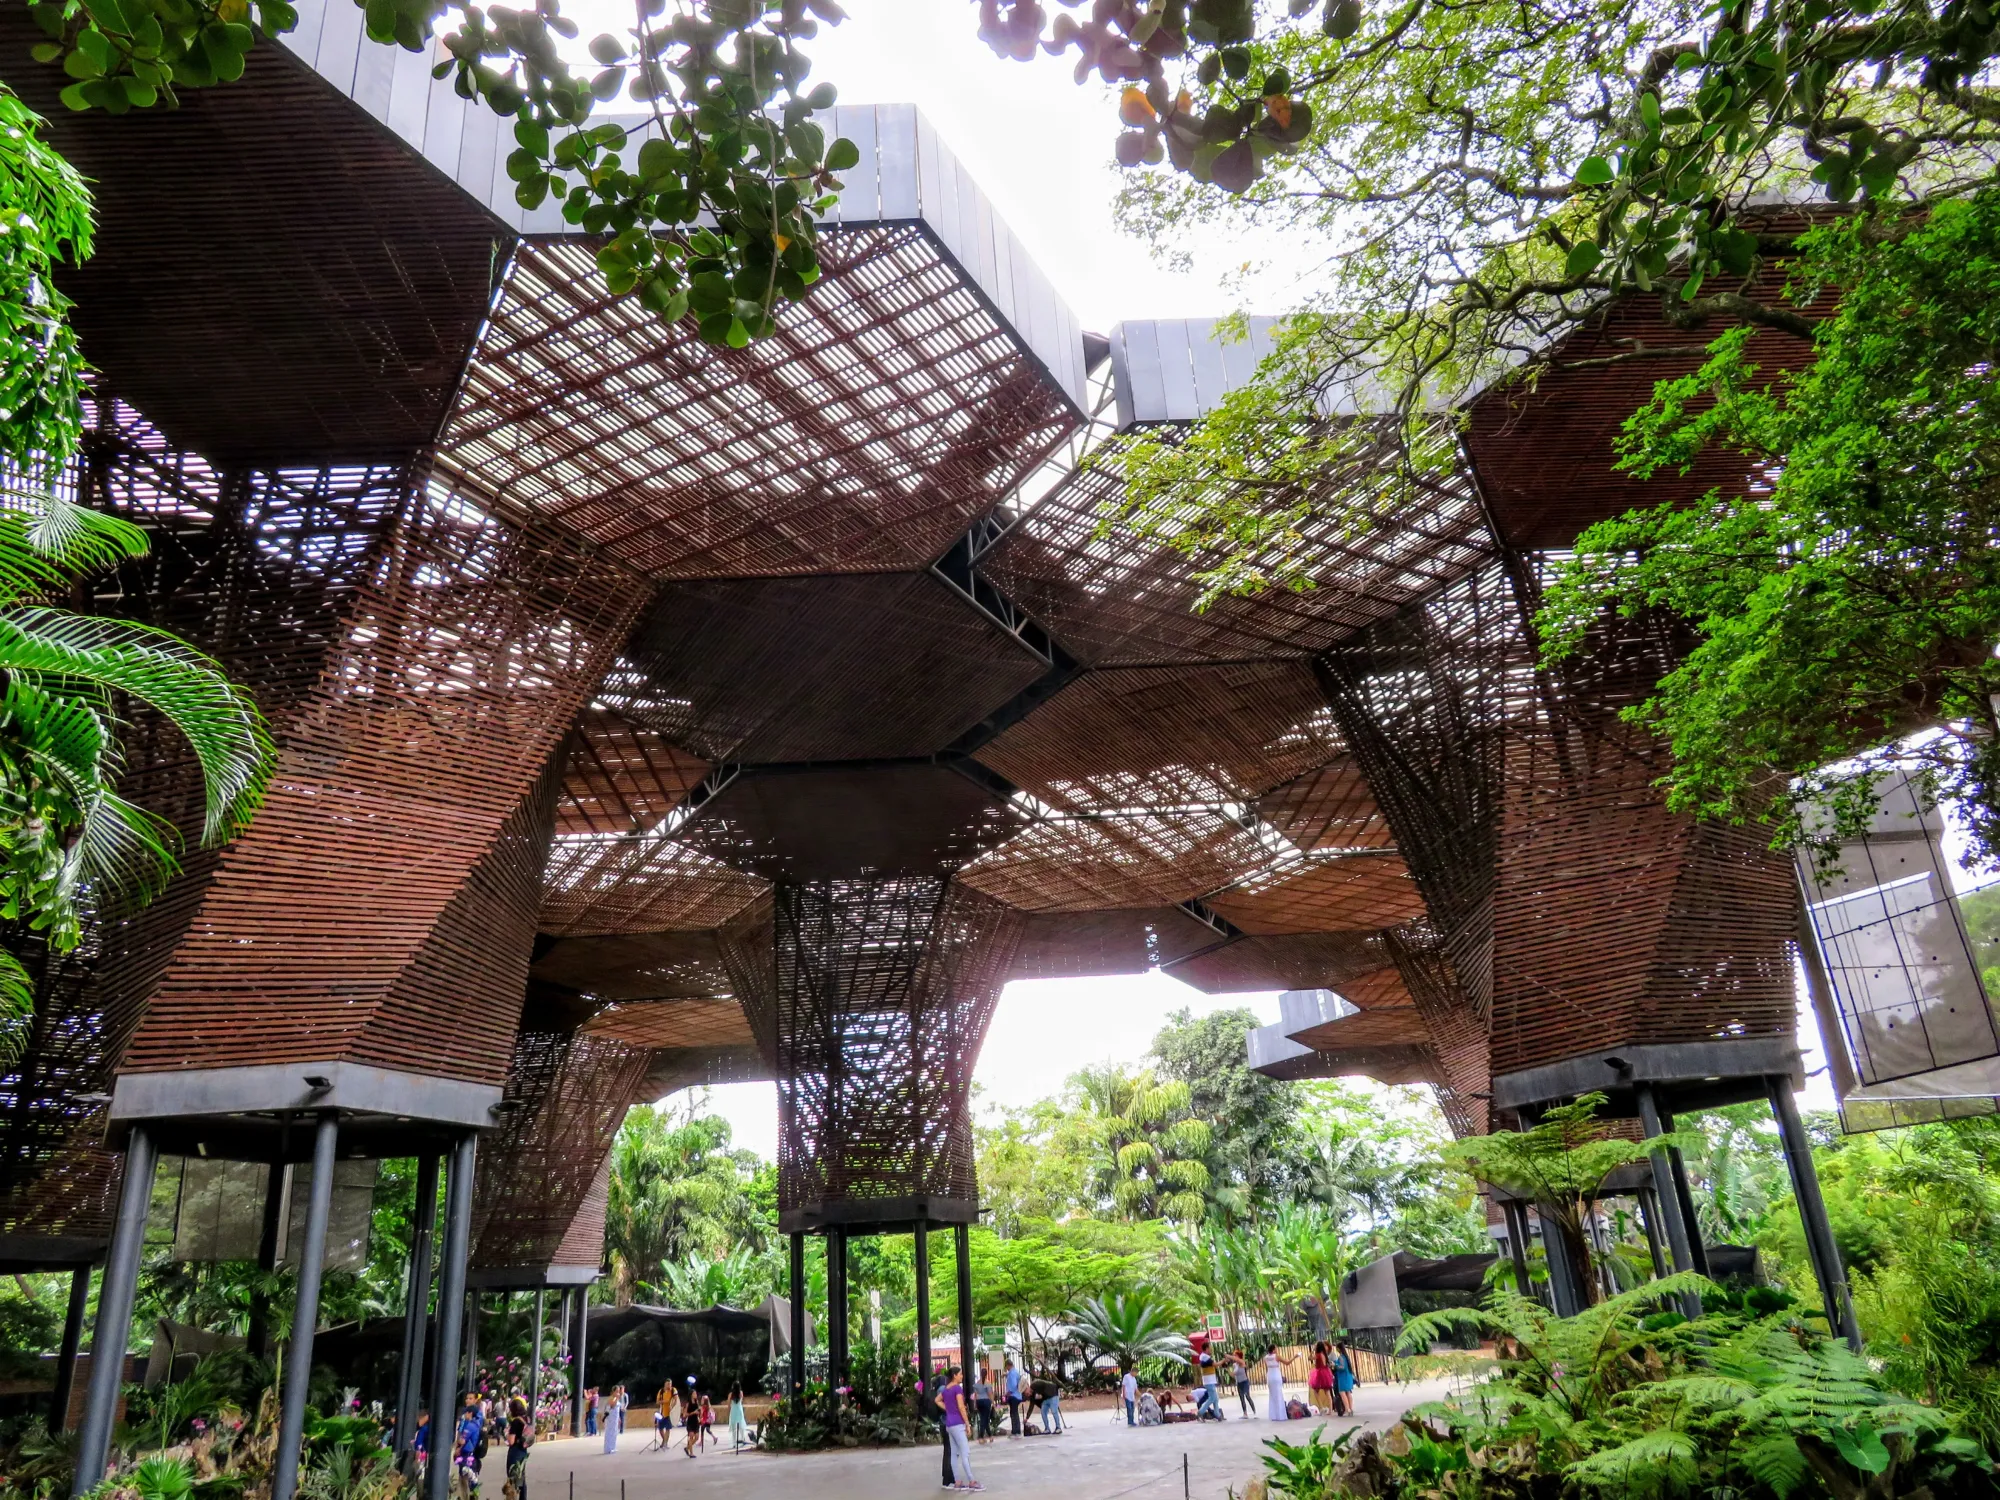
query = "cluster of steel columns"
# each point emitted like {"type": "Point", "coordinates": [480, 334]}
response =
{"type": "Point", "coordinates": [837, 1306]}
{"type": "Point", "coordinates": [120, 1286]}
{"type": "Point", "coordinates": [1667, 1210]}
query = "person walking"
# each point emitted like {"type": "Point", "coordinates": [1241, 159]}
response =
{"type": "Point", "coordinates": [1274, 1386]}
{"type": "Point", "coordinates": [1344, 1380]}
{"type": "Point", "coordinates": [520, 1437]}
{"type": "Point", "coordinates": [691, 1415]}
{"type": "Point", "coordinates": [1013, 1384]}
{"type": "Point", "coordinates": [663, 1416]}
{"type": "Point", "coordinates": [1241, 1366]}
{"type": "Point", "coordinates": [955, 1429]}
{"type": "Point", "coordinates": [1129, 1389]}
{"type": "Point", "coordinates": [982, 1400]}
{"type": "Point", "coordinates": [739, 1426]}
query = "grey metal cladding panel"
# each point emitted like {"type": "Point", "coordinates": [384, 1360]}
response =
{"type": "Point", "coordinates": [409, 107]}
{"type": "Point", "coordinates": [446, 126]}
{"type": "Point", "coordinates": [1188, 366]}
{"type": "Point", "coordinates": [905, 172]}
{"type": "Point", "coordinates": [1121, 376]}
{"type": "Point", "coordinates": [304, 39]}
{"type": "Point", "coordinates": [896, 139]}
{"type": "Point", "coordinates": [374, 71]}
{"type": "Point", "coordinates": [861, 188]}
{"type": "Point", "coordinates": [1177, 364]}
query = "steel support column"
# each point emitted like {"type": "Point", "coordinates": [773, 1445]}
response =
{"type": "Point", "coordinates": [416, 1305]}
{"type": "Point", "coordinates": [1649, 1220]}
{"type": "Point", "coordinates": [1667, 1197]}
{"type": "Point", "coordinates": [1565, 1285]}
{"type": "Point", "coordinates": [535, 1356]}
{"type": "Point", "coordinates": [798, 1256]}
{"type": "Point", "coordinates": [258, 1336]}
{"type": "Point", "coordinates": [1515, 1213]}
{"type": "Point", "coordinates": [450, 1302]}
{"type": "Point", "coordinates": [1820, 1244]}
{"type": "Point", "coordinates": [114, 1310]}
{"type": "Point", "coordinates": [961, 1236]}
{"type": "Point", "coordinates": [1684, 1198]}
{"type": "Point", "coordinates": [580, 1359]}
{"type": "Point", "coordinates": [72, 1341]}
{"type": "Point", "coordinates": [305, 1312]}
{"type": "Point", "coordinates": [836, 1306]}
{"type": "Point", "coordinates": [923, 1257]}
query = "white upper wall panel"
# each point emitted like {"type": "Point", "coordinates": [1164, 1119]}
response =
{"type": "Point", "coordinates": [906, 174]}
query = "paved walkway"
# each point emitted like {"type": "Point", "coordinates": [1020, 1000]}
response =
{"type": "Point", "coordinates": [1094, 1460]}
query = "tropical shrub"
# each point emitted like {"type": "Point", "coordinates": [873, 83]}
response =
{"type": "Point", "coordinates": [1746, 1402]}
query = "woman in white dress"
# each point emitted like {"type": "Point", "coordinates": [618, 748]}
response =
{"type": "Point", "coordinates": [1274, 1383]}
{"type": "Point", "coordinates": [607, 1419]}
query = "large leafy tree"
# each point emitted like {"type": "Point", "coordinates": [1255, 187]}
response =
{"type": "Point", "coordinates": [1149, 1143]}
{"type": "Point", "coordinates": [678, 1193]}
{"type": "Point", "coordinates": [1248, 1114]}
{"type": "Point", "coordinates": [1852, 597]}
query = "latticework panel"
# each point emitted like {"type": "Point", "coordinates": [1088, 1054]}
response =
{"type": "Point", "coordinates": [1459, 1038]}
{"type": "Point", "coordinates": [1287, 961]}
{"type": "Point", "coordinates": [619, 883]}
{"type": "Point", "coordinates": [1379, 533]}
{"type": "Point", "coordinates": [871, 998]}
{"type": "Point", "coordinates": [1169, 734]}
{"type": "Point", "coordinates": [1425, 700]}
{"type": "Point", "coordinates": [1131, 857]}
{"type": "Point", "coordinates": [668, 965]}
{"type": "Point", "coordinates": [621, 777]}
{"type": "Point", "coordinates": [569, 1094]}
{"type": "Point", "coordinates": [1075, 945]}
{"type": "Point", "coordinates": [889, 410]}
{"type": "Point", "coordinates": [1330, 807]}
{"type": "Point", "coordinates": [663, 1024]}
{"type": "Point", "coordinates": [464, 653]}
{"type": "Point", "coordinates": [1616, 921]}
{"type": "Point", "coordinates": [258, 568]}
{"type": "Point", "coordinates": [1362, 892]}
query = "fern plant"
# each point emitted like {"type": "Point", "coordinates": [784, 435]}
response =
{"type": "Point", "coordinates": [1628, 1400]}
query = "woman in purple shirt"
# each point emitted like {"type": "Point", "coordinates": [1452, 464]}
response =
{"type": "Point", "coordinates": [955, 1431]}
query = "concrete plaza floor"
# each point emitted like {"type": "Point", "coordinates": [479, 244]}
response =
{"type": "Point", "coordinates": [1093, 1460]}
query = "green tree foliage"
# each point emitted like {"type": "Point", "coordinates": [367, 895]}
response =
{"type": "Point", "coordinates": [1149, 1143]}
{"type": "Point", "coordinates": [45, 209]}
{"type": "Point", "coordinates": [1035, 1164]}
{"type": "Point", "coordinates": [1854, 598]}
{"type": "Point", "coordinates": [1249, 1115]}
{"type": "Point", "coordinates": [677, 1191]}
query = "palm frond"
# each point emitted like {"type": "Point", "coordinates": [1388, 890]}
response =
{"type": "Point", "coordinates": [78, 539]}
{"type": "Point", "coordinates": [17, 1007]}
{"type": "Point", "coordinates": [220, 722]}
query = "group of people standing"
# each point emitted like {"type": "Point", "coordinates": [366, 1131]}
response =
{"type": "Point", "coordinates": [689, 1411]}
{"type": "Point", "coordinates": [1331, 1381]}
{"type": "Point", "coordinates": [970, 1414]}
{"type": "Point", "coordinates": [471, 1439]}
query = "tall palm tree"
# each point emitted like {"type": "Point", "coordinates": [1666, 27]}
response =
{"type": "Point", "coordinates": [1129, 1326]}
{"type": "Point", "coordinates": [1152, 1146]}
{"type": "Point", "coordinates": [68, 840]}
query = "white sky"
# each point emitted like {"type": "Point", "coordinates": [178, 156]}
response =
{"type": "Point", "coordinates": [1037, 143]}
{"type": "Point", "coordinates": [1043, 1030]}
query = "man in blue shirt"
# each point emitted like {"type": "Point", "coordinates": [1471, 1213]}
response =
{"type": "Point", "coordinates": [1013, 1396]}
